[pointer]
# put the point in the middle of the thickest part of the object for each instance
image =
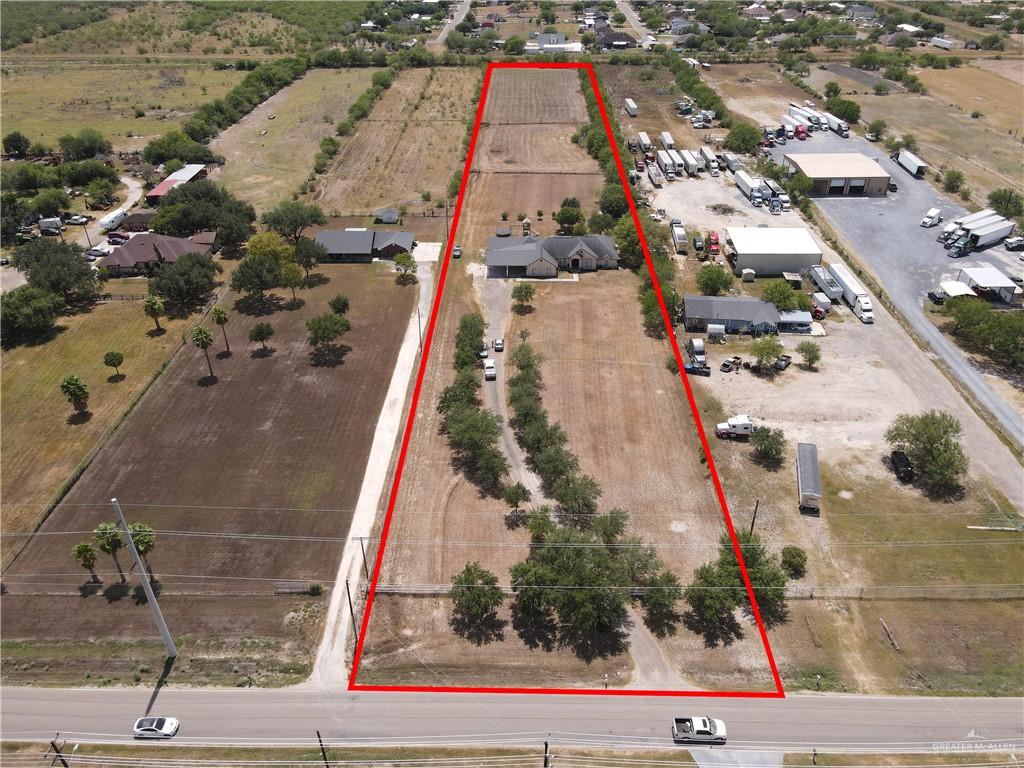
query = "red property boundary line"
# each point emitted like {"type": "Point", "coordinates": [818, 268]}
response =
{"type": "Point", "coordinates": [353, 685]}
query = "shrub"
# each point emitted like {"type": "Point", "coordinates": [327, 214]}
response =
{"type": "Point", "coordinates": [794, 562]}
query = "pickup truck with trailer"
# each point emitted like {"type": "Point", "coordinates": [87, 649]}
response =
{"type": "Point", "coordinates": [854, 294]}
{"type": "Point", "coordinates": [828, 285]}
{"type": "Point", "coordinates": [911, 163]}
{"type": "Point", "coordinates": [698, 730]}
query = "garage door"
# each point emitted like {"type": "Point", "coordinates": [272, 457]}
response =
{"type": "Point", "coordinates": [857, 186]}
{"type": "Point", "coordinates": [837, 186]}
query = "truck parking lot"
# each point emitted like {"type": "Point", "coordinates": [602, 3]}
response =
{"type": "Point", "coordinates": [906, 259]}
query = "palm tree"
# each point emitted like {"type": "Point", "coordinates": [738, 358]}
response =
{"type": "Point", "coordinates": [85, 556]}
{"type": "Point", "coordinates": [108, 539]}
{"type": "Point", "coordinates": [145, 542]}
{"type": "Point", "coordinates": [220, 317]}
{"type": "Point", "coordinates": [203, 339]}
{"type": "Point", "coordinates": [153, 306]}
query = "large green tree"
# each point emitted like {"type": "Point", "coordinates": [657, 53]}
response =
{"type": "Point", "coordinates": [743, 137]}
{"type": "Point", "coordinates": [16, 143]}
{"type": "Point", "coordinates": [291, 218]}
{"type": "Point", "coordinates": [187, 282]}
{"type": "Point", "coordinates": [28, 313]}
{"type": "Point", "coordinates": [255, 275]}
{"type": "Point", "coordinates": [87, 143]}
{"type": "Point", "coordinates": [769, 446]}
{"type": "Point", "coordinates": [308, 254]}
{"type": "Point", "coordinates": [59, 269]}
{"type": "Point", "coordinates": [76, 391]}
{"type": "Point", "coordinates": [476, 597]}
{"type": "Point", "coordinates": [325, 329]}
{"type": "Point", "coordinates": [1007, 202]}
{"type": "Point", "coordinates": [714, 279]}
{"type": "Point", "coordinates": [931, 441]}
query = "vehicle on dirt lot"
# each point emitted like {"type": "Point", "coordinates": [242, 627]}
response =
{"type": "Point", "coordinates": [697, 370]}
{"type": "Point", "coordinates": [490, 370]}
{"type": "Point", "coordinates": [775, 208]}
{"type": "Point", "coordinates": [734, 363]}
{"type": "Point", "coordinates": [936, 297]}
{"type": "Point", "coordinates": [698, 243]}
{"type": "Point", "coordinates": [457, 252]}
{"type": "Point", "coordinates": [698, 730]}
{"type": "Point", "coordinates": [499, 345]}
{"type": "Point", "coordinates": [739, 427]}
{"type": "Point", "coordinates": [783, 362]}
{"type": "Point", "coordinates": [901, 465]}
{"type": "Point", "coordinates": [713, 244]}
{"type": "Point", "coordinates": [483, 352]}
{"type": "Point", "coordinates": [871, 136]}
{"type": "Point", "coordinates": [1014, 243]}
{"type": "Point", "coordinates": [155, 727]}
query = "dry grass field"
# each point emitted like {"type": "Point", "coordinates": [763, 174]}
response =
{"type": "Point", "coordinates": [40, 447]}
{"type": "Point", "coordinates": [526, 97]}
{"type": "Point", "coordinates": [407, 149]}
{"type": "Point", "coordinates": [755, 91]}
{"type": "Point", "coordinates": [233, 474]}
{"type": "Point", "coordinates": [46, 98]}
{"type": "Point", "coordinates": [267, 160]}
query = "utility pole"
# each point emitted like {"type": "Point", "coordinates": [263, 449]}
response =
{"type": "Point", "coordinates": [362, 548]}
{"type": "Point", "coordinates": [754, 518]}
{"type": "Point", "coordinates": [146, 586]}
{"type": "Point", "coordinates": [85, 228]}
{"type": "Point", "coordinates": [323, 751]}
{"type": "Point", "coordinates": [446, 219]}
{"type": "Point", "coordinates": [58, 754]}
{"type": "Point", "coordinates": [547, 756]}
{"type": "Point", "coordinates": [351, 610]}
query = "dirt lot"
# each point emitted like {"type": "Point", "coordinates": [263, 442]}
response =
{"type": "Point", "coordinates": [870, 532]}
{"type": "Point", "coordinates": [525, 97]}
{"type": "Point", "coordinates": [203, 464]}
{"type": "Point", "coordinates": [46, 99]}
{"type": "Point", "coordinates": [267, 160]}
{"type": "Point", "coordinates": [407, 149]}
{"type": "Point", "coordinates": [755, 91]}
{"type": "Point", "coordinates": [1009, 70]}
{"type": "Point", "coordinates": [40, 447]}
{"type": "Point", "coordinates": [983, 148]}
{"type": "Point", "coordinates": [541, 149]}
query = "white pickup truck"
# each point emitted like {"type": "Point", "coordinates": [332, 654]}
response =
{"type": "Point", "coordinates": [698, 730]}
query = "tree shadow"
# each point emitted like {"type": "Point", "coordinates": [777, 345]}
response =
{"type": "Point", "coordinates": [36, 340]}
{"type": "Point", "coordinates": [261, 353]}
{"type": "Point", "coordinates": [258, 306]}
{"type": "Point", "coordinates": [313, 279]}
{"type": "Point", "coordinates": [770, 463]}
{"type": "Point", "coordinates": [207, 381]}
{"type": "Point", "coordinates": [293, 304]}
{"type": "Point", "coordinates": [79, 417]}
{"type": "Point", "coordinates": [139, 594]}
{"type": "Point", "coordinates": [537, 630]}
{"type": "Point", "coordinates": [155, 333]}
{"type": "Point", "coordinates": [724, 634]}
{"type": "Point", "coordinates": [329, 355]}
{"type": "Point", "coordinates": [224, 354]}
{"type": "Point", "coordinates": [662, 621]}
{"type": "Point", "coordinates": [523, 309]}
{"type": "Point", "coordinates": [487, 630]}
{"type": "Point", "coordinates": [588, 646]}
{"type": "Point", "coordinates": [90, 588]}
{"type": "Point", "coordinates": [116, 592]}
{"type": "Point", "coordinates": [406, 278]}
{"type": "Point", "coordinates": [515, 518]}
{"type": "Point", "coordinates": [115, 378]}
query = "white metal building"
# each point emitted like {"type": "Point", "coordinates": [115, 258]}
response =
{"type": "Point", "coordinates": [989, 280]}
{"type": "Point", "coordinates": [772, 250]}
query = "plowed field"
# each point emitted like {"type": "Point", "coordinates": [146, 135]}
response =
{"type": "Point", "coordinates": [523, 97]}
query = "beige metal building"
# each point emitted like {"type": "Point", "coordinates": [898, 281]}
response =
{"type": "Point", "coordinates": [841, 173]}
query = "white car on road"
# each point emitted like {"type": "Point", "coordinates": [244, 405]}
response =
{"type": "Point", "coordinates": [155, 727]}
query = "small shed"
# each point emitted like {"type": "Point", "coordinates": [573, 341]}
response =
{"type": "Point", "coordinates": [385, 216]}
{"type": "Point", "coordinates": [808, 478]}
{"type": "Point", "coordinates": [749, 275]}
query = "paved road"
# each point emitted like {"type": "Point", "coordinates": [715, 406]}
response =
{"type": "Point", "coordinates": [459, 15]}
{"type": "Point", "coordinates": [261, 716]}
{"type": "Point", "coordinates": [908, 261]}
{"type": "Point", "coordinates": [634, 19]}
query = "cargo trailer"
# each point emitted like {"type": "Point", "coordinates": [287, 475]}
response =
{"type": "Point", "coordinates": [656, 176]}
{"type": "Point", "coordinates": [808, 478]}
{"type": "Point", "coordinates": [690, 164]}
{"type": "Point", "coordinates": [680, 164]}
{"type": "Point", "coordinates": [854, 294]}
{"type": "Point", "coordinates": [912, 163]}
{"type": "Point", "coordinates": [667, 142]}
{"type": "Point", "coordinates": [967, 218]}
{"type": "Point", "coordinates": [665, 164]}
{"type": "Point", "coordinates": [709, 159]}
{"type": "Point", "coordinates": [645, 141]}
{"type": "Point", "coordinates": [732, 162]}
{"type": "Point", "coordinates": [750, 187]}
{"type": "Point", "coordinates": [631, 108]}
{"type": "Point", "coordinates": [992, 234]}
{"type": "Point", "coordinates": [828, 285]}
{"type": "Point", "coordinates": [837, 125]}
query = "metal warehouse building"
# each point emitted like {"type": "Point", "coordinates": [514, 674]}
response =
{"type": "Point", "coordinates": [772, 250]}
{"type": "Point", "coordinates": [841, 173]}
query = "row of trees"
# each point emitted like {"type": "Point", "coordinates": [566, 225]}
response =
{"type": "Point", "coordinates": [108, 538]}
{"type": "Point", "coordinates": [84, 145]}
{"type": "Point", "coordinates": [999, 336]}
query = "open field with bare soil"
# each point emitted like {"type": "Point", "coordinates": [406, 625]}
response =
{"type": "Point", "coordinates": [406, 151]}
{"type": "Point", "coordinates": [41, 442]}
{"type": "Point", "coordinates": [232, 474]}
{"type": "Point", "coordinates": [525, 97]}
{"type": "Point", "coordinates": [45, 99]}
{"type": "Point", "coordinates": [540, 149]}
{"type": "Point", "coordinates": [267, 159]}
{"type": "Point", "coordinates": [755, 91]}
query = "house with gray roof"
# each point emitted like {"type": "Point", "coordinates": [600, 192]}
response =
{"type": "Point", "coordinates": [536, 256]}
{"type": "Point", "coordinates": [739, 314]}
{"type": "Point", "coordinates": [860, 13]}
{"type": "Point", "coordinates": [148, 251]}
{"type": "Point", "coordinates": [364, 244]}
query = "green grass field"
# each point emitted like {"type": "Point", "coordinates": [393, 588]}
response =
{"type": "Point", "coordinates": [40, 448]}
{"type": "Point", "coordinates": [47, 99]}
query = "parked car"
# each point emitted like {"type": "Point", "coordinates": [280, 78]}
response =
{"type": "Point", "coordinates": [155, 727]}
{"type": "Point", "coordinates": [483, 352]}
{"type": "Point", "coordinates": [49, 232]}
{"type": "Point", "coordinates": [870, 136]}
{"type": "Point", "coordinates": [892, 186]}
{"type": "Point", "coordinates": [499, 345]}
{"type": "Point", "coordinates": [783, 362]}
{"type": "Point", "coordinates": [490, 370]}
{"type": "Point", "coordinates": [117, 238]}
{"type": "Point", "coordinates": [698, 243]}
{"type": "Point", "coordinates": [734, 363]}
{"type": "Point", "coordinates": [936, 297]}
{"type": "Point", "coordinates": [697, 370]}
{"type": "Point", "coordinates": [1014, 243]}
{"type": "Point", "coordinates": [775, 208]}
{"type": "Point", "coordinates": [4, 261]}
{"type": "Point", "coordinates": [901, 465]}
{"type": "Point", "coordinates": [457, 252]}
{"type": "Point", "coordinates": [713, 244]}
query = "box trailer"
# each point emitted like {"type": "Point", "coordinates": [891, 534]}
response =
{"type": "Point", "coordinates": [837, 125]}
{"type": "Point", "coordinates": [656, 176]}
{"type": "Point", "coordinates": [665, 164]}
{"type": "Point", "coordinates": [808, 478]}
{"type": "Point", "coordinates": [667, 142]}
{"type": "Point", "coordinates": [710, 160]}
{"type": "Point", "coordinates": [680, 164]}
{"type": "Point", "coordinates": [944, 43]}
{"type": "Point", "coordinates": [678, 233]}
{"type": "Point", "coordinates": [631, 109]}
{"type": "Point", "coordinates": [750, 187]}
{"type": "Point", "coordinates": [645, 141]}
{"type": "Point", "coordinates": [777, 193]}
{"type": "Point", "coordinates": [828, 285]}
{"type": "Point", "coordinates": [992, 234]}
{"type": "Point", "coordinates": [854, 294]}
{"type": "Point", "coordinates": [973, 226]}
{"type": "Point", "coordinates": [690, 164]}
{"type": "Point", "coordinates": [912, 163]}
{"type": "Point", "coordinates": [803, 113]}
{"type": "Point", "coordinates": [732, 162]}
{"type": "Point", "coordinates": [967, 218]}
{"type": "Point", "coordinates": [111, 220]}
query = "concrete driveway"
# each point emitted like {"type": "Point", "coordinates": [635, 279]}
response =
{"type": "Point", "coordinates": [906, 259]}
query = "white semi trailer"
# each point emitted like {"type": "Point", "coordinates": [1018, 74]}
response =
{"type": "Point", "coordinates": [667, 142]}
{"type": "Point", "coordinates": [912, 163]}
{"type": "Point", "coordinates": [828, 285]}
{"type": "Point", "coordinates": [750, 187]}
{"type": "Point", "coordinates": [631, 108]}
{"type": "Point", "coordinates": [665, 164]}
{"type": "Point", "coordinates": [854, 293]}
{"type": "Point", "coordinates": [992, 234]}
{"type": "Point", "coordinates": [967, 218]}
{"type": "Point", "coordinates": [678, 233]}
{"type": "Point", "coordinates": [680, 164]}
{"type": "Point", "coordinates": [690, 164]}
{"type": "Point", "coordinates": [645, 141]}
{"type": "Point", "coordinates": [710, 160]}
{"type": "Point", "coordinates": [803, 113]}
{"type": "Point", "coordinates": [837, 125]}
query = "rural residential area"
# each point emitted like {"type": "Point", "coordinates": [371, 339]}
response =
{"type": "Point", "coordinates": [470, 382]}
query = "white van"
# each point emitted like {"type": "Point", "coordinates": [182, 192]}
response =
{"type": "Point", "coordinates": [695, 349]}
{"type": "Point", "coordinates": [490, 370]}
